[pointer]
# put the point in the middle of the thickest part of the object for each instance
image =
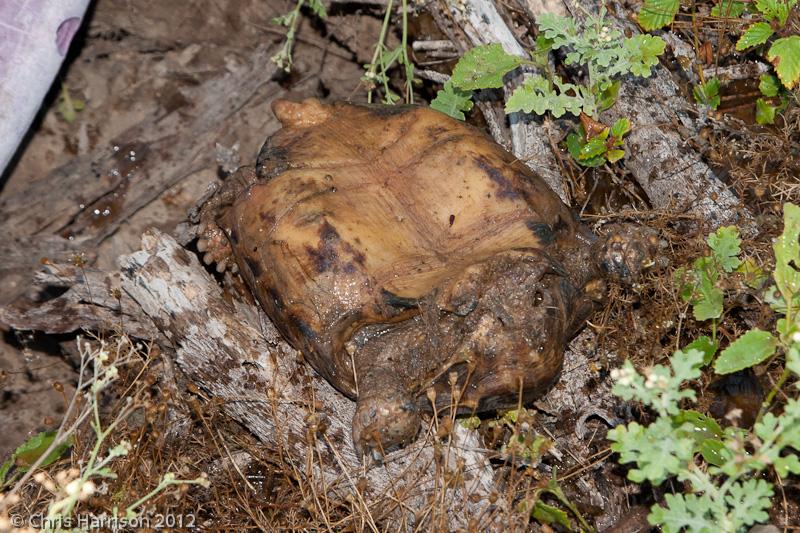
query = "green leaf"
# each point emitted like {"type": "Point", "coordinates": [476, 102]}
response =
{"type": "Point", "coordinates": [643, 51]}
{"type": "Point", "coordinates": [700, 426]}
{"type": "Point", "coordinates": [705, 345]}
{"type": "Point", "coordinates": [747, 502]}
{"type": "Point", "coordinates": [547, 514]}
{"type": "Point", "coordinates": [714, 452]}
{"type": "Point", "coordinates": [575, 144]}
{"type": "Point", "coordinates": [709, 305]}
{"type": "Point", "coordinates": [728, 8]}
{"type": "Point", "coordinates": [483, 67]}
{"type": "Point", "coordinates": [537, 96]}
{"type": "Point", "coordinates": [787, 253]}
{"type": "Point", "coordinates": [656, 449]}
{"type": "Point", "coordinates": [707, 93]}
{"type": "Point", "coordinates": [594, 147]}
{"type": "Point", "coordinates": [31, 450]}
{"type": "Point", "coordinates": [106, 473]}
{"type": "Point", "coordinates": [784, 54]}
{"type": "Point", "coordinates": [662, 389]}
{"type": "Point", "coordinates": [756, 34]}
{"type": "Point", "coordinates": [620, 128]}
{"type": "Point", "coordinates": [559, 30]}
{"type": "Point", "coordinates": [684, 512]}
{"type": "Point", "coordinates": [775, 9]}
{"type": "Point", "coordinates": [656, 14]}
{"type": "Point", "coordinates": [4, 468]}
{"type": "Point", "coordinates": [753, 274]}
{"type": "Point", "coordinates": [539, 55]}
{"type": "Point", "coordinates": [452, 101]}
{"type": "Point", "coordinates": [748, 350]}
{"type": "Point", "coordinates": [608, 96]}
{"type": "Point", "coordinates": [769, 85]}
{"type": "Point", "coordinates": [768, 8]}
{"type": "Point", "coordinates": [726, 246]}
{"type": "Point", "coordinates": [615, 155]}
{"type": "Point", "coordinates": [765, 113]}
{"type": "Point", "coordinates": [787, 464]}
{"type": "Point", "coordinates": [793, 360]}
{"type": "Point", "coordinates": [318, 8]}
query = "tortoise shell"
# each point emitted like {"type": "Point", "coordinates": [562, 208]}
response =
{"type": "Point", "coordinates": [411, 259]}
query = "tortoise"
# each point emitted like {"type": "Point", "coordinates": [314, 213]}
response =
{"type": "Point", "coordinates": [415, 263]}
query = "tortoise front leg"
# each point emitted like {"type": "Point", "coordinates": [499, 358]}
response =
{"type": "Point", "coordinates": [386, 415]}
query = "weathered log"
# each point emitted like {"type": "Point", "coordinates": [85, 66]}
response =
{"type": "Point", "coordinates": [92, 301]}
{"type": "Point", "coordinates": [262, 383]}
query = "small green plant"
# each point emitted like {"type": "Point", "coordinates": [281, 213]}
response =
{"type": "Point", "coordinates": [707, 93]}
{"type": "Point", "coordinates": [775, 99]}
{"type": "Point", "coordinates": [549, 514]}
{"type": "Point", "coordinates": [784, 52]}
{"type": "Point", "coordinates": [32, 452]}
{"type": "Point", "coordinates": [290, 20]}
{"type": "Point", "coordinates": [71, 486]}
{"type": "Point", "coordinates": [700, 285]}
{"type": "Point", "coordinates": [68, 106]}
{"type": "Point", "coordinates": [728, 9]}
{"type": "Point", "coordinates": [524, 445]}
{"type": "Point", "coordinates": [721, 468]}
{"type": "Point", "coordinates": [603, 52]}
{"type": "Point", "coordinates": [597, 149]}
{"type": "Point", "coordinates": [383, 59]}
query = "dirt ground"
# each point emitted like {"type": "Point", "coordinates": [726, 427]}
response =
{"type": "Point", "coordinates": [139, 59]}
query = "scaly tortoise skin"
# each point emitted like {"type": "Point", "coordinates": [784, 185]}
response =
{"type": "Point", "coordinates": [412, 260]}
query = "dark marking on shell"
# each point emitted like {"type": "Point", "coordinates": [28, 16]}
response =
{"type": "Point", "coordinates": [504, 188]}
{"type": "Point", "coordinates": [542, 231]}
{"type": "Point", "coordinates": [399, 301]}
{"type": "Point", "coordinates": [275, 297]}
{"type": "Point", "coordinates": [271, 161]}
{"type": "Point", "coordinates": [326, 255]}
{"type": "Point", "coordinates": [254, 266]}
{"type": "Point", "coordinates": [267, 218]}
{"type": "Point", "coordinates": [385, 111]}
{"type": "Point", "coordinates": [300, 325]}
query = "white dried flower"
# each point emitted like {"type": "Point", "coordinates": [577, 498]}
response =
{"type": "Point", "coordinates": [656, 381]}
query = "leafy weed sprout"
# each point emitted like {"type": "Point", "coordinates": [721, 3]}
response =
{"type": "Point", "coordinates": [604, 54]}
{"type": "Point", "coordinates": [721, 466]}
{"type": "Point", "coordinates": [99, 368]}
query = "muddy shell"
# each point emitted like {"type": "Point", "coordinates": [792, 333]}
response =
{"type": "Point", "coordinates": [412, 260]}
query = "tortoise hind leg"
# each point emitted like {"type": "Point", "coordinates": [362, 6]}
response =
{"type": "Point", "coordinates": [212, 240]}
